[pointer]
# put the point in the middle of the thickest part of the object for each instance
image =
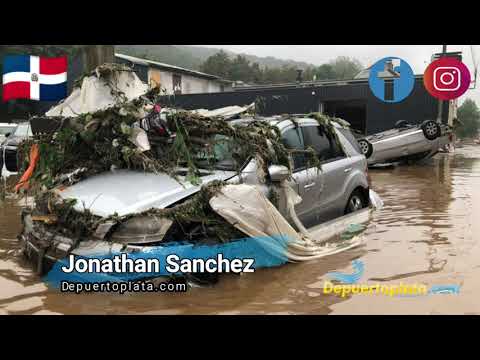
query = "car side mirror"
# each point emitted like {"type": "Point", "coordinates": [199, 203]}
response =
{"type": "Point", "coordinates": [278, 173]}
{"type": "Point", "coordinates": [7, 135]}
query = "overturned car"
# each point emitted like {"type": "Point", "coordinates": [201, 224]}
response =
{"type": "Point", "coordinates": [132, 178]}
{"type": "Point", "coordinates": [405, 143]}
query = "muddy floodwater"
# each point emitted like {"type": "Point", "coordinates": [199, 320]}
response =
{"type": "Point", "coordinates": [428, 233]}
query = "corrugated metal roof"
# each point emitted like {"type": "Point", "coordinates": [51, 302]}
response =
{"type": "Point", "coordinates": [151, 63]}
{"type": "Point", "coordinates": [364, 74]}
{"type": "Point", "coordinates": [307, 84]}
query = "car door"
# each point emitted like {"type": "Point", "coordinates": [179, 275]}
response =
{"type": "Point", "coordinates": [305, 180]}
{"type": "Point", "coordinates": [330, 200]}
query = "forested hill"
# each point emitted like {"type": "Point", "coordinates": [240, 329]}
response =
{"type": "Point", "coordinates": [193, 56]}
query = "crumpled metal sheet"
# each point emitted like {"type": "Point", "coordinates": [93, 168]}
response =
{"type": "Point", "coordinates": [95, 94]}
{"type": "Point", "coordinates": [226, 112]}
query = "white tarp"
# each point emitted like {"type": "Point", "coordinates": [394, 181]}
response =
{"type": "Point", "coordinates": [95, 94]}
{"type": "Point", "coordinates": [246, 208]}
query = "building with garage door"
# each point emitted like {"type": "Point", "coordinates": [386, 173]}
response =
{"type": "Point", "coordinates": [351, 100]}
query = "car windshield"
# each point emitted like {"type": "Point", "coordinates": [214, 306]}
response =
{"type": "Point", "coordinates": [221, 158]}
{"type": "Point", "coordinates": [23, 130]}
{"type": "Point", "coordinates": [6, 130]}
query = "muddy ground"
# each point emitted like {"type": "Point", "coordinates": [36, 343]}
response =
{"type": "Point", "coordinates": [428, 233]}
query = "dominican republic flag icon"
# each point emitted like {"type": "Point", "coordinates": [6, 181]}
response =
{"type": "Point", "coordinates": [35, 78]}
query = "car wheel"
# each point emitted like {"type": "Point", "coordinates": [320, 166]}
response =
{"type": "Point", "coordinates": [355, 202]}
{"type": "Point", "coordinates": [431, 130]}
{"type": "Point", "coordinates": [366, 147]}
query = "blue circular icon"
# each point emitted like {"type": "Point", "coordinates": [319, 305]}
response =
{"type": "Point", "coordinates": [391, 79]}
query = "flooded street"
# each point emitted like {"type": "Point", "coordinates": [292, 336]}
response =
{"type": "Point", "coordinates": [428, 233]}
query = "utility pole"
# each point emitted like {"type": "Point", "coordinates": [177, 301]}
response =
{"type": "Point", "coordinates": [440, 102]}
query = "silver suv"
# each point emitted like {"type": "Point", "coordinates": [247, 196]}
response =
{"type": "Point", "coordinates": [341, 186]}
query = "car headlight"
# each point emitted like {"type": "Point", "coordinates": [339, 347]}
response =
{"type": "Point", "coordinates": [142, 230]}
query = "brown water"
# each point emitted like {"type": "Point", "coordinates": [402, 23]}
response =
{"type": "Point", "coordinates": [427, 233]}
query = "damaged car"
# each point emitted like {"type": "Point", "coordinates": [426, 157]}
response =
{"type": "Point", "coordinates": [340, 188]}
{"type": "Point", "coordinates": [130, 178]}
{"type": "Point", "coordinates": [6, 129]}
{"type": "Point", "coordinates": [405, 143]}
{"type": "Point", "coordinates": [8, 148]}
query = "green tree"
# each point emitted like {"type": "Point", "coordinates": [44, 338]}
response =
{"type": "Point", "coordinates": [276, 75]}
{"type": "Point", "coordinates": [270, 75]}
{"type": "Point", "coordinates": [218, 64]}
{"type": "Point", "coordinates": [257, 73]}
{"type": "Point", "coordinates": [344, 67]}
{"type": "Point", "coordinates": [240, 69]}
{"type": "Point", "coordinates": [469, 117]}
{"type": "Point", "coordinates": [325, 72]}
{"type": "Point", "coordinates": [308, 73]}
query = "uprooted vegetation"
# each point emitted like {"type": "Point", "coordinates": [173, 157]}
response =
{"type": "Point", "coordinates": [105, 140]}
{"type": "Point", "coordinates": [101, 142]}
{"type": "Point", "coordinates": [107, 72]}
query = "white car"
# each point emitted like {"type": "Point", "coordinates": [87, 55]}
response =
{"type": "Point", "coordinates": [405, 143]}
{"type": "Point", "coordinates": [5, 130]}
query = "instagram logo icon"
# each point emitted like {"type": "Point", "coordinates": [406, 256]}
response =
{"type": "Point", "coordinates": [447, 78]}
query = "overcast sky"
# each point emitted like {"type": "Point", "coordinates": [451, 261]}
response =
{"type": "Point", "coordinates": [418, 56]}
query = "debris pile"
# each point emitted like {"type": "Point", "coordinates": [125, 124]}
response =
{"type": "Point", "coordinates": [95, 131]}
{"type": "Point", "coordinates": [107, 85]}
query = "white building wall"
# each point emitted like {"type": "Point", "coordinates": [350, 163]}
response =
{"type": "Point", "coordinates": [193, 85]}
{"type": "Point", "coordinates": [190, 84]}
{"type": "Point", "coordinates": [162, 78]}
{"type": "Point", "coordinates": [228, 86]}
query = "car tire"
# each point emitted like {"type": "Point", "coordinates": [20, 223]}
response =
{"type": "Point", "coordinates": [366, 147]}
{"type": "Point", "coordinates": [355, 202]}
{"type": "Point", "coordinates": [431, 130]}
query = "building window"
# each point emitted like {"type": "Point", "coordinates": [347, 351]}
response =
{"type": "Point", "coordinates": [177, 84]}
